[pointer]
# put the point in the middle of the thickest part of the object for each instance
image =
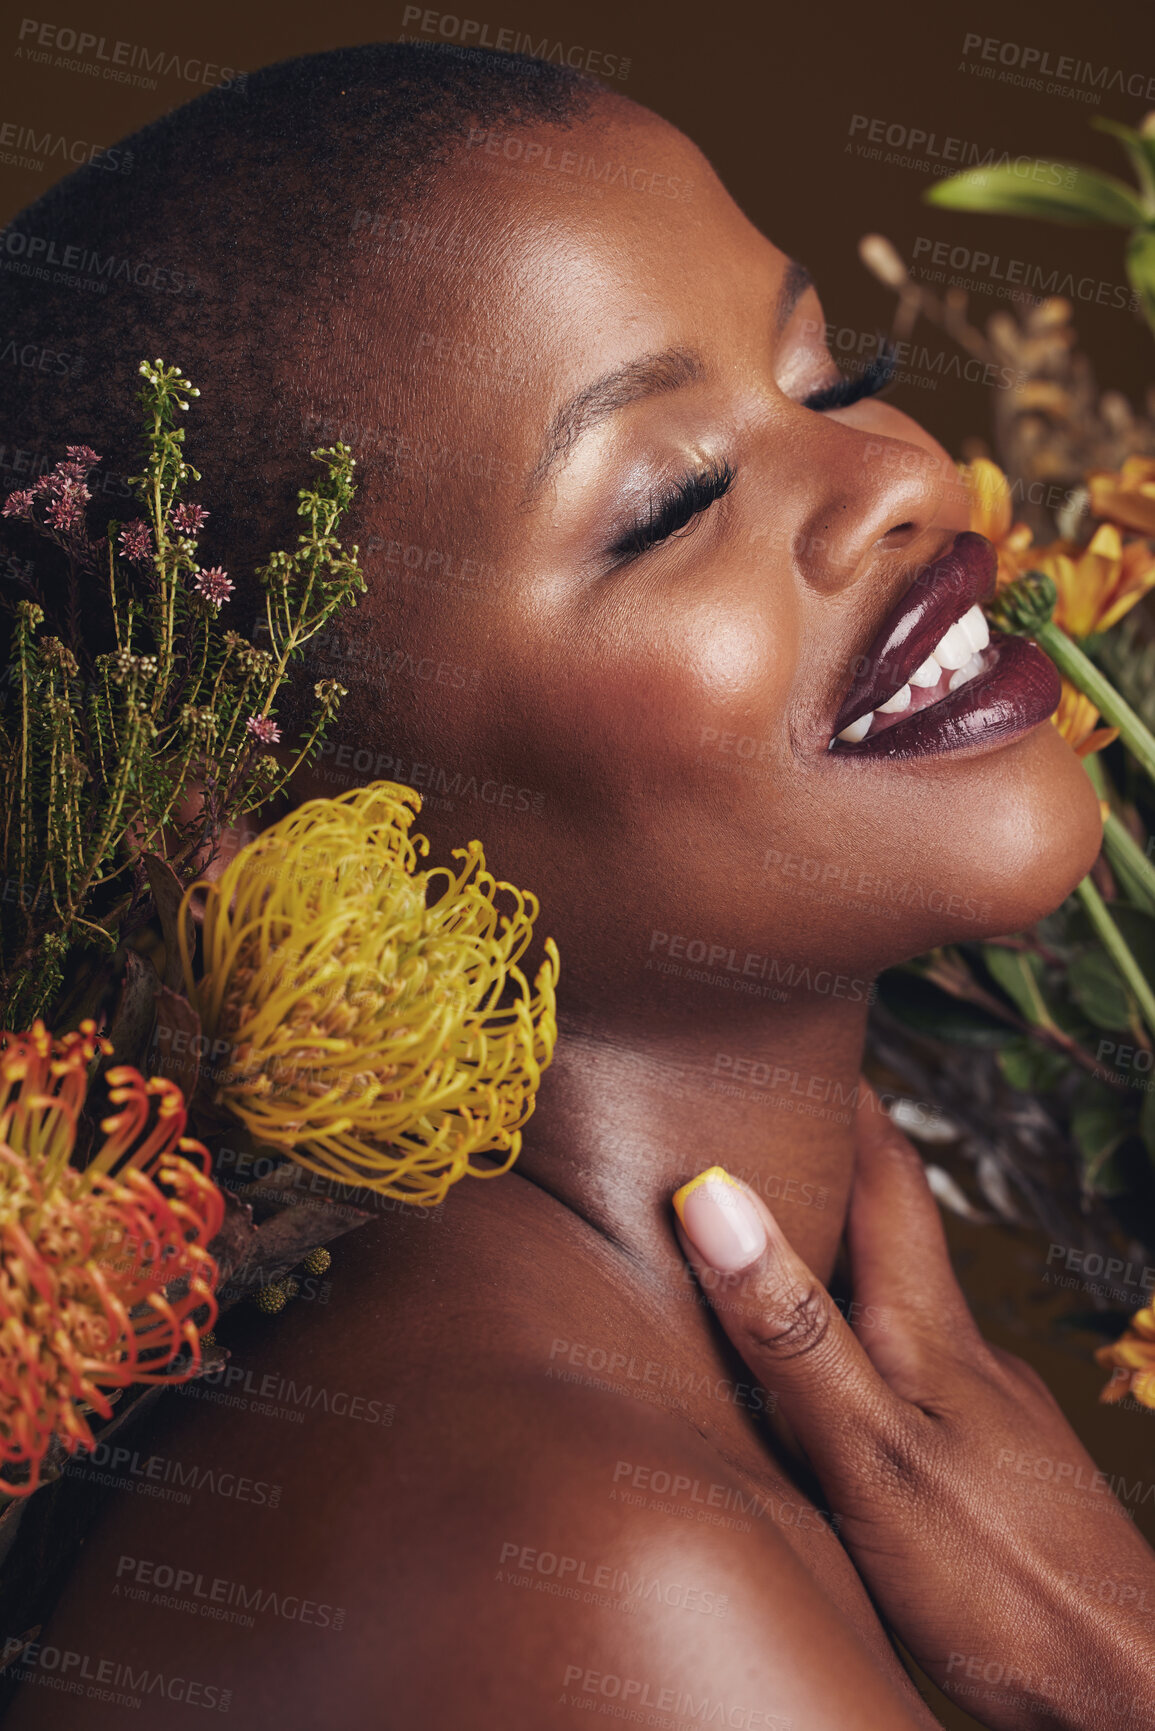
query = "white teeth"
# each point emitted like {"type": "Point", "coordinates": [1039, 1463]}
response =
{"type": "Point", "coordinates": [953, 649]}
{"type": "Point", "coordinates": [893, 705]}
{"type": "Point", "coordinates": [965, 672]}
{"type": "Point", "coordinates": [928, 674]}
{"type": "Point", "coordinates": [975, 628]}
{"type": "Point", "coordinates": [857, 729]}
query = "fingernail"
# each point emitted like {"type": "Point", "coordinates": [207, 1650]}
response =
{"type": "Point", "coordinates": [720, 1220]}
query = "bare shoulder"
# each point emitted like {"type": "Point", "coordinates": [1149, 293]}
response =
{"type": "Point", "coordinates": [492, 1567]}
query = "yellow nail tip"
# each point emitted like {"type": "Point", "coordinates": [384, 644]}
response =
{"type": "Point", "coordinates": [681, 1196]}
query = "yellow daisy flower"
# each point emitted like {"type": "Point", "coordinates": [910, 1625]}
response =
{"type": "Point", "coordinates": [1126, 496]}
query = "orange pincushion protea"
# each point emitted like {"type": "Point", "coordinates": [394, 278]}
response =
{"type": "Point", "coordinates": [105, 1278]}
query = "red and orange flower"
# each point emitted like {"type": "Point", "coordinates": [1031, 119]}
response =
{"type": "Point", "coordinates": [105, 1275]}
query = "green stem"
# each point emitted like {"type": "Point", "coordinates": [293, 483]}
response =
{"type": "Point", "coordinates": [1118, 949]}
{"type": "Point", "coordinates": [1081, 671]}
{"type": "Point", "coordinates": [1128, 861]}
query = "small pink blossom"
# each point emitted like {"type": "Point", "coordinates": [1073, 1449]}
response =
{"type": "Point", "coordinates": [189, 519]}
{"type": "Point", "coordinates": [214, 585]}
{"type": "Point", "coordinates": [264, 728]}
{"type": "Point", "coordinates": [136, 541]}
{"type": "Point", "coordinates": [19, 504]}
{"type": "Point", "coordinates": [66, 509]}
{"type": "Point", "coordinates": [84, 456]}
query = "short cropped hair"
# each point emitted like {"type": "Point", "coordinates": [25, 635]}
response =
{"type": "Point", "coordinates": [224, 249]}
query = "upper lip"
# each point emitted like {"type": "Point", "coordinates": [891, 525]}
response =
{"type": "Point", "coordinates": [939, 595]}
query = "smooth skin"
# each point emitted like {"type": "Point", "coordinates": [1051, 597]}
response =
{"type": "Point", "coordinates": [553, 1366]}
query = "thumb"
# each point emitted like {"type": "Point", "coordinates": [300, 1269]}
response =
{"type": "Point", "coordinates": [786, 1326]}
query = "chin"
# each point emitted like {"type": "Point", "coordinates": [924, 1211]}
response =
{"type": "Point", "coordinates": [1035, 834]}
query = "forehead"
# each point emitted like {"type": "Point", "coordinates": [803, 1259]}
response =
{"type": "Point", "coordinates": [551, 247]}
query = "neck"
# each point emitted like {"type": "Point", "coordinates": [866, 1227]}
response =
{"type": "Point", "coordinates": [624, 1119]}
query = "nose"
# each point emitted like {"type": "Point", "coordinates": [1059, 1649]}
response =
{"type": "Point", "coordinates": [869, 493]}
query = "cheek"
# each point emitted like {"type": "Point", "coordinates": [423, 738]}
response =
{"type": "Point", "coordinates": [707, 681]}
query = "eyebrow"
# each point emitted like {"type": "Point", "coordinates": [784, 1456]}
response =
{"type": "Point", "coordinates": [647, 376]}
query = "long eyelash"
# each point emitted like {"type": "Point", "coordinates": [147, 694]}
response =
{"type": "Point", "coordinates": [666, 516]}
{"type": "Point", "coordinates": [849, 389]}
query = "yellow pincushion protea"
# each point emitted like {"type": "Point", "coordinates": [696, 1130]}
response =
{"type": "Point", "coordinates": [380, 1033]}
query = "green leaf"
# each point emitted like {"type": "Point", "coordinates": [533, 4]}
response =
{"type": "Point", "coordinates": [1138, 929]}
{"type": "Point", "coordinates": [1140, 150]}
{"type": "Point", "coordinates": [1097, 1131]}
{"type": "Point", "coordinates": [1031, 1067]}
{"type": "Point", "coordinates": [1089, 197]}
{"type": "Point", "coordinates": [919, 1004]}
{"type": "Point", "coordinates": [1019, 973]}
{"type": "Point", "coordinates": [1093, 981]}
{"type": "Point", "coordinates": [1141, 269]}
{"type": "Point", "coordinates": [1147, 1122]}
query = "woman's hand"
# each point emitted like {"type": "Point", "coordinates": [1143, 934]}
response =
{"type": "Point", "coordinates": [987, 1537]}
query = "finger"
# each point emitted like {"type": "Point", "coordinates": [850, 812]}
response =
{"type": "Point", "coordinates": [898, 1250]}
{"type": "Point", "coordinates": [787, 1328]}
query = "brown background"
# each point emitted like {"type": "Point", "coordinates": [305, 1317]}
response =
{"type": "Point", "coordinates": [769, 92]}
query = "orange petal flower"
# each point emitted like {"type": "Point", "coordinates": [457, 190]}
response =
{"type": "Point", "coordinates": [1132, 1360]}
{"type": "Point", "coordinates": [990, 497]}
{"type": "Point", "coordinates": [105, 1275]}
{"type": "Point", "coordinates": [991, 515]}
{"type": "Point", "coordinates": [1097, 584]}
{"type": "Point", "coordinates": [1126, 496]}
{"type": "Point", "coordinates": [1075, 719]}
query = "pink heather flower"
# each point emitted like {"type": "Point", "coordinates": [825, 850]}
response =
{"type": "Point", "coordinates": [84, 456]}
{"type": "Point", "coordinates": [189, 518]}
{"type": "Point", "coordinates": [18, 504]}
{"type": "Point", "coordinates": [264, 728]}
{"type": "Point", "coordinates": [215, 585]}
{"type": "Point", "coordinates": [136, 540]}
{"type": "Point", "coordinates": [66, 510]}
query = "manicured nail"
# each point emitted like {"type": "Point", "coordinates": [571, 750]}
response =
{"type": "Point", "coordinates": [720, 1220]}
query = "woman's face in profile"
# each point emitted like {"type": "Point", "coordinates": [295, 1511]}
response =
{"type": "Point", "coordinates": [686, 567]}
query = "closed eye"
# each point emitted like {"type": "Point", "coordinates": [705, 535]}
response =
{"type": "Point", "coordinates": [674, 511]}
{"type": "Point", "coordinates": [869, 383]}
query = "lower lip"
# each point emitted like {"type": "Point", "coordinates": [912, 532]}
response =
{"type": "Point", "coordinates": [1016, 690]}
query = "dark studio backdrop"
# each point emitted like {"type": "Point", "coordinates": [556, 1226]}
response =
{"type": "Point", "coordinates": [826, 122]}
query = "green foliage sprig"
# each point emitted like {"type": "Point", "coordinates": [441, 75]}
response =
{"type": "Point", "coordinates": [163, 742]}
{"type": "Point", "coordinates": [1079, 197]}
